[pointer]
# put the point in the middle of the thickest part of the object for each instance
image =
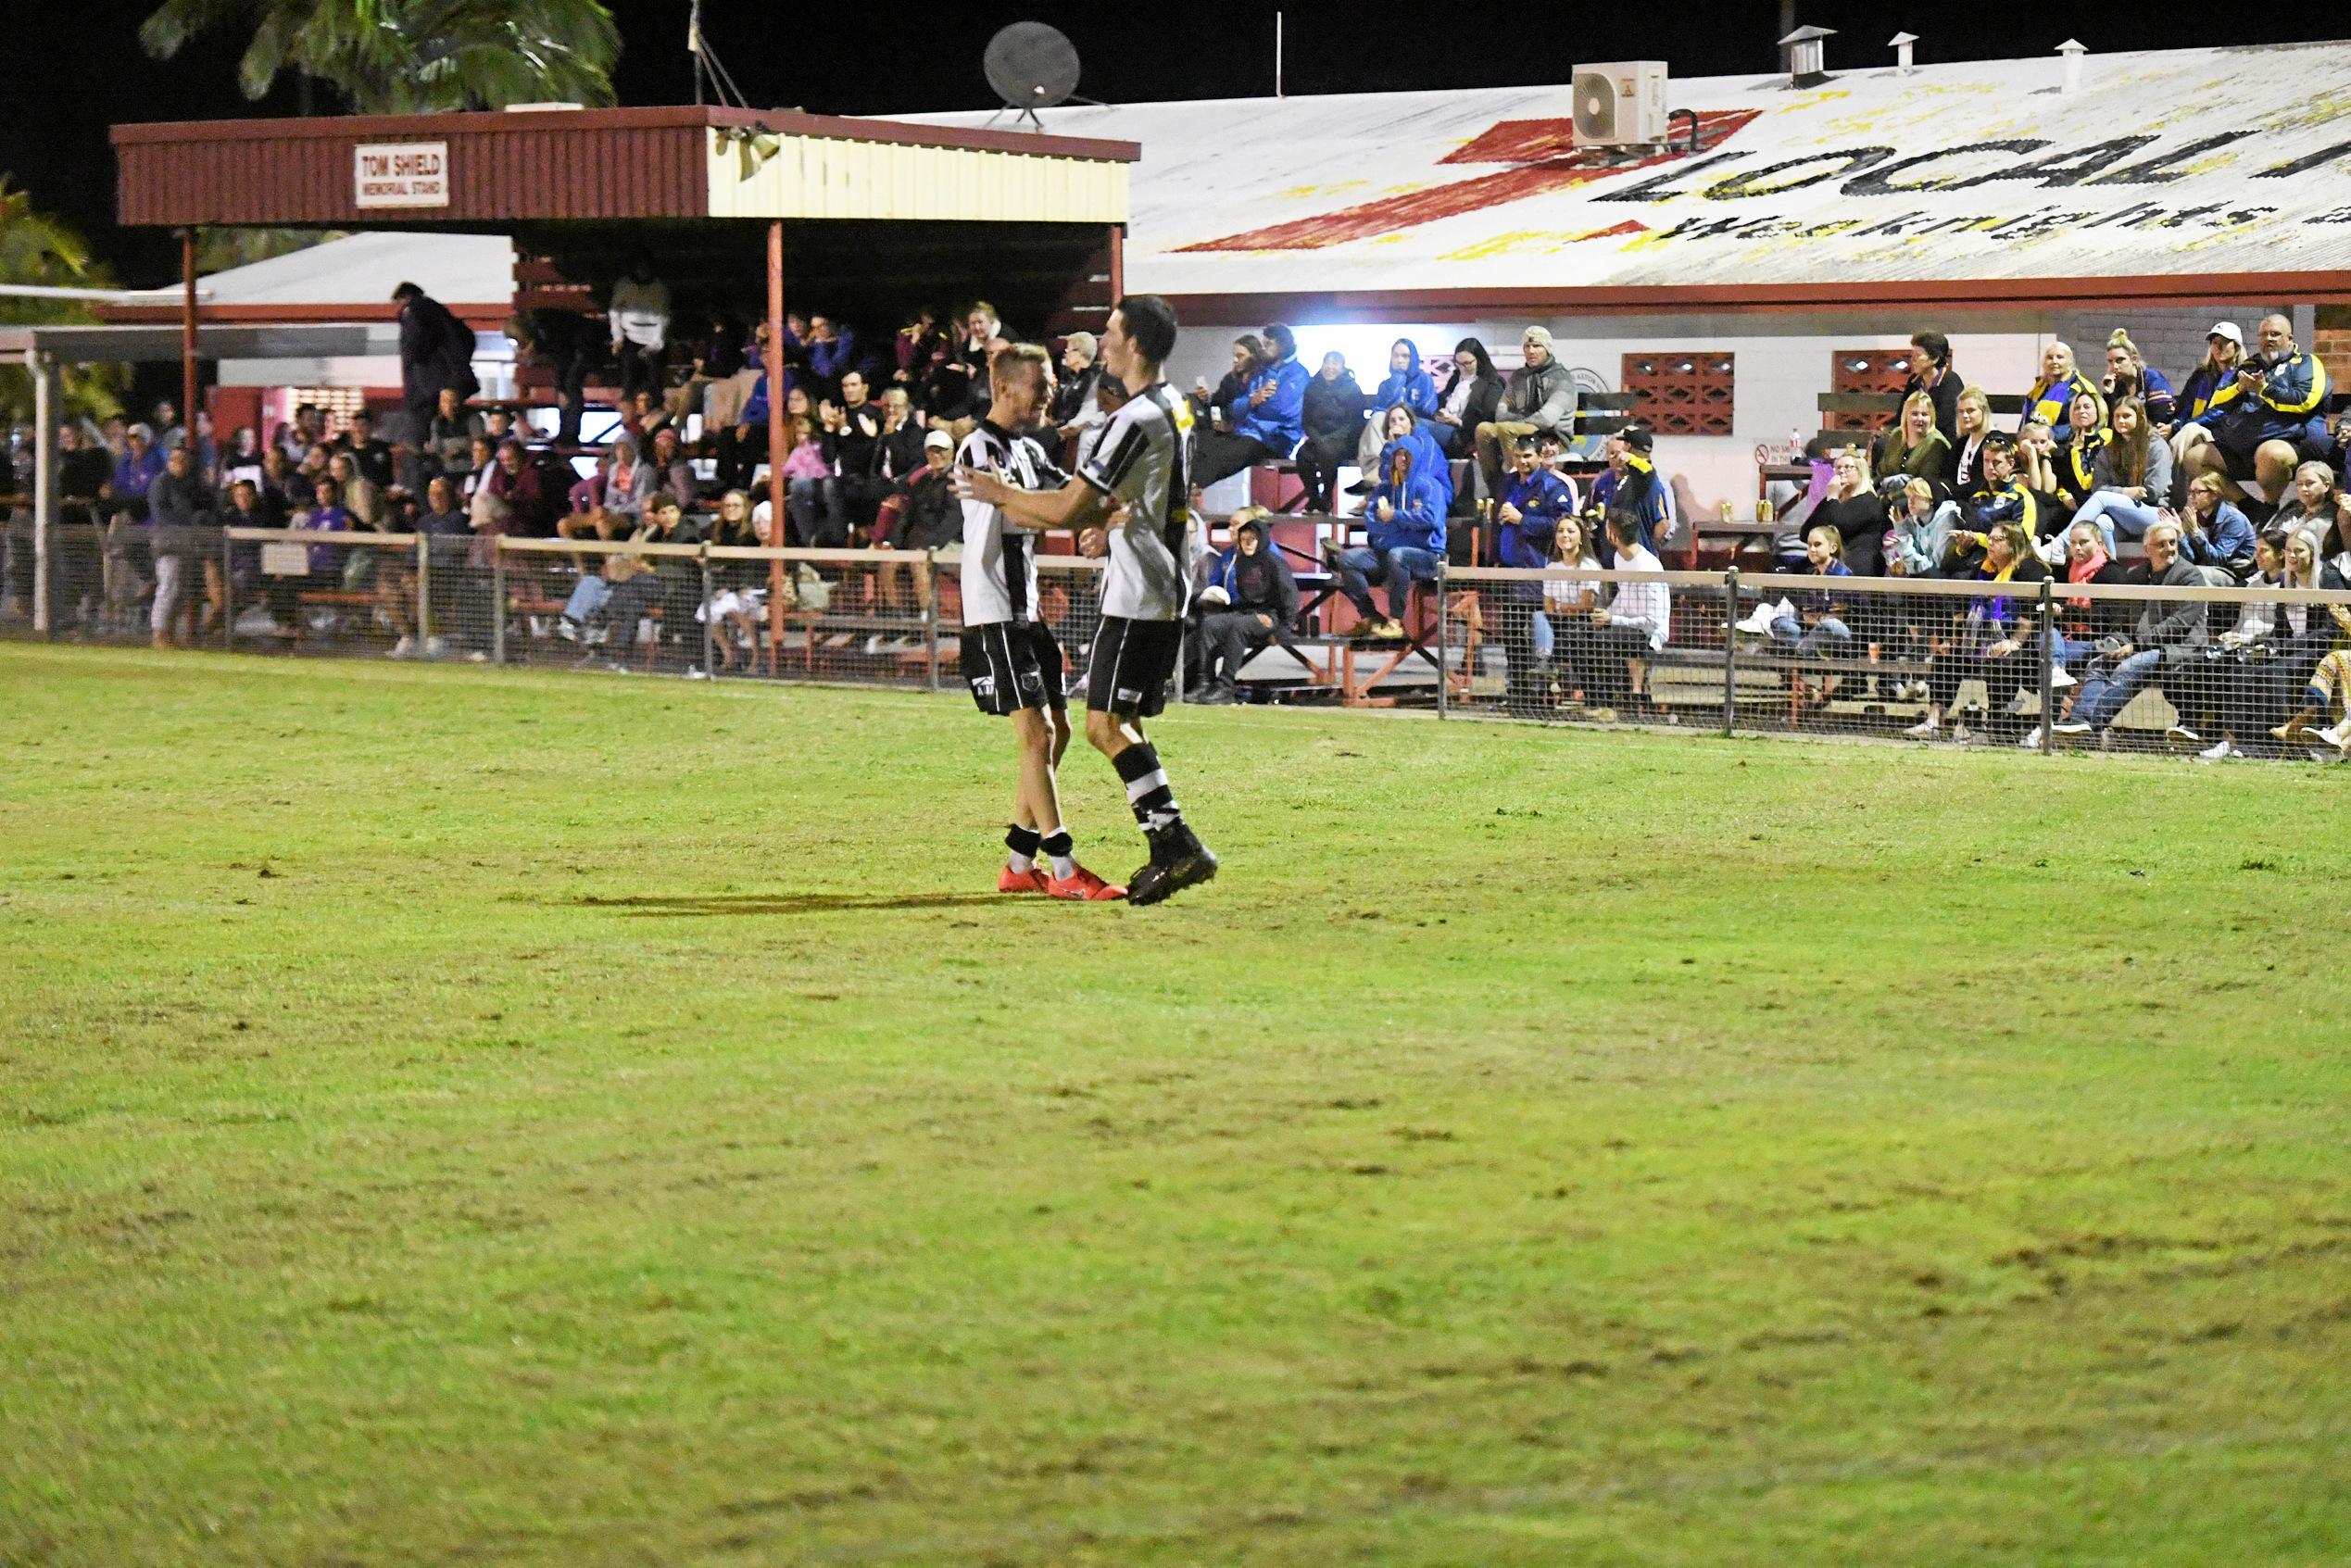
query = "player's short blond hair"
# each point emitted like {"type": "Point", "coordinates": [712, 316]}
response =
{"type": "Point", "coordinates": [1003, 369]}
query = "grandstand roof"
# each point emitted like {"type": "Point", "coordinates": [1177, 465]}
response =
{"type": "Point", "coordinates": [351, 279]}
{"type": "Point", "coordinates": [1972, 183]}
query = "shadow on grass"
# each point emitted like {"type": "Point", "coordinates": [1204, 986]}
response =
{"type": "Point", "coordinates": [783, 903]}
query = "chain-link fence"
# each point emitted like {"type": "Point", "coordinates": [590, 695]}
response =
{"type": "Point", "coordinates": [2224, 672]}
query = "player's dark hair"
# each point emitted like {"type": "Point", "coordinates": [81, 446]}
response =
{"type": "Point", "coordinates": [1150, 325]}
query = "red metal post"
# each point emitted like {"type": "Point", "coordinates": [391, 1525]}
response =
{"type": "Point", "coordinates": [1117, 267]}
{"type": "Point", "coordinates": [187, 337]}
{"type": "Point", "coordinates": [774, 362]}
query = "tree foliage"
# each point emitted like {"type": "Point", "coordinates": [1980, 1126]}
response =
{"type": "Point", "coordinates": [411, 57]}
{"type": "Point", "coordinates": [39, 249]}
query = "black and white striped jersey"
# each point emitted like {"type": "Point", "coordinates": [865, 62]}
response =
{"type": "Point", "coordinates": [1144, 460]}
{"type": "Point", "coordinates": [1000, 558]}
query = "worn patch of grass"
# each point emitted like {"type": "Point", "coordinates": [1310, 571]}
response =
{"type": "Point", "coordinates": [471, 1116]}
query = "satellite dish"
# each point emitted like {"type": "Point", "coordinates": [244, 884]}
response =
{"type": "Point", "coordinates": [1032, 66]}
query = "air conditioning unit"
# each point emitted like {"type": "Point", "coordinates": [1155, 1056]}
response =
{"type": "Point", "coordinates": [1622, 104]}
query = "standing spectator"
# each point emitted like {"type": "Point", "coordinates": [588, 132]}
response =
{"type": "Point", "coordinates": [2168, 632]}
{"type": "Point", "coordinates": [2129, 375]}
{"type": "Point", "coordinates": [2129, 478]}
{"type": "Point", "coordinates": [1533, 505]}
{"type": "Point", "coordinates": [1073, 399]}
{"type": "Point", "coordinates": [1471, 396]}
{"type": "Point", "coordinates": [638, 313]}
{"type": "Point", "coordinates": [813, 492]}
{"type": "Point", "coordinates": [856, 428]}
{"type": "Point", "coordinates": [1914, 447]}
{"type": "Point", "coordinates": [1637, 489]}
{"type": "Point", "coordinates": [1331, 414]}
{"type": "Point", "coordinates": [1930, 372]}
{"type": "Point", "coordinates": [1541, 395]}
{"type": "Point", "coordinates": [436, 350]}
{"type": "Point", "coordinates": [1259, 604]}
{"type": "Point", "coordinates": [1265, 422]}
{"type": "Point", "coordinates": [180, 508]}
{"type": "Point", "coordinates": [1633, 625]}
{"type": "Point", "coordinates": [564, 344]}
{"type": "Point", "coordinates": [1404, 530]}
{"type": "Point", "coordinates": [832, 354]}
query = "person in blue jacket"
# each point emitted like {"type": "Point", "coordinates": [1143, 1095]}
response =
{"type": "Point", "coordinates": [1409, 384]}
{"type": "Point", "coordinates": [1268, 420]}
{"type": "Point", "coordinates": [1395, 424]}
{"type": "Point", "coordinates": [1532, 507]}
{"type": "Point", "coordinates": [1404, 533]}
{"type": "Point", "coordinates": [2276, 422]}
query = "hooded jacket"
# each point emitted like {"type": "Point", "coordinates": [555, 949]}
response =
{"type": "Point", "coordinates": [1260, 583]}
{"type": "Point", "coordinates": [1419, 505]}
{"type": "Point", "coordinates": [1275, 424]}
{"type": "Point", "coordinates": [1412, 386]}
{"type": "Point", "coordinates": [436, 350]}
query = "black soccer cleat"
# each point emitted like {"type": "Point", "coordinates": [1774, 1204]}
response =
{"type": "Point", "coordinates": [1178, 861]}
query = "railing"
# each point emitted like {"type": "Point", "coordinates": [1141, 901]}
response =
{"type": "Point", "coordinates": [1903, 656]}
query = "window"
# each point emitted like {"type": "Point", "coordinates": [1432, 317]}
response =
{"type": "Point", "coordinates": [1883, 370]}
{"type": "Point", "coordinates": [337, 402]}
{"type": "Point", "coordinates": [1685, 394]}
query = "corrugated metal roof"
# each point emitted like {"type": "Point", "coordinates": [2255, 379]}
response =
{"type": "Point", "coordinates": [829, 177]}
{"type": "Point", "coordinates": [2190, 163]}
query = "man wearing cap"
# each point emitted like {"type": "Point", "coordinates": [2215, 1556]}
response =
{"type": "Point", "coordinates": [1633, 484]}
{"type": "Point", "coordinates": [2274, 421]}
{"type": "Point", "coordinates": [1541, 397]}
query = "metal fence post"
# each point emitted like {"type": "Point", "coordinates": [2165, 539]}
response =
{"type": "Point", "coordinates": [710, 622]}
{"type": "Point", "coordinates": [1730, 651]}
{"type": "Point", "coordinates": [930, 614]}
{"type": "Point", "coordinates": [497, 598]}
{"type": "Point", "coordinates": [227, 597]}
{"type": "Point", "coordinates": [2046, 632]}
{"type": "Point", "coordinates": [423, 595]}
{"type": "Point", "coordinates": [1444, 652]}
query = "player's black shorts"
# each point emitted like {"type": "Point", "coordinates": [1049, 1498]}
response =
{"type": "Point", "coordinates": [1133, 660]}
{"type": "Point", "coordinates": [1013, 665]}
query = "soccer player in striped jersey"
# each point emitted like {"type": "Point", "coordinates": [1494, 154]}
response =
{"type": "Point", "coordinates": [1013, 665]}
{"type": "Point", "coordinates": [1132, 498]}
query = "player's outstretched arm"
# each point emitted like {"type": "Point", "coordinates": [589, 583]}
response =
{"type": "Point", "coordinates": [1075, 505]}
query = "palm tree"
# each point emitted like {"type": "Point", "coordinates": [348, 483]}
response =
{"type": "Point", "coordinates": [39, 249]}
{"type": "Point", "coordinates": [411, 57]}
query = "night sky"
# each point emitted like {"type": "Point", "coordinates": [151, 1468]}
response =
{"type": "Point", "coordinates": [75, 69]}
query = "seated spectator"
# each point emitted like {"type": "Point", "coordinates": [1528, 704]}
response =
{"type": "Point", "coordinates": [1930, 372]}
{"type": "Point", "coordinates": [1551, 451]}
{"type": "Point", "coordinates": [371, 455]}
{"type": "Point", "coordinates": [1818, 624]}
{"type": "Point", "coordinates": [448, 446]}
{"type": "Point", "coordinates": [2007, 497]}
{"type": "Point", "coordinates": [362, 497]}
{"type": "Point", "coordinates": [1407, 382]}
{"type": "Point", "coordinates": [2129, 375]}
{"type": "Point", "coordinates": [1999, 638]}
{"type": "Point", "coordinates": [1912, 448]}
{"type": "Point", "coordinates": [813, 506]}
{"type": "Point", "coordinates": [2054, 393]}
{"type": "Point", "coordinates": [2241, 694]}
{"type": "Point", "coordinates": [1266, 423]}
{"type": "Point", "coordinates": [832, 354]}
{"type": "Point", "coordinates": [927, 516]}
{"type": "Point", "coordinates": [638, 314]}
{"type": "Point", "coordinates": [1635, 624]}
{"type": "Point", "coordinates": [673, 469]}
{"type": "Point", "coordinates": [2314, 504]}
{"type": "Point", "coordinates": [326, 514]}
{"type": "Point", "coordinates": [2075, 460]}
{"type": "Point", "coordinates": [1541, 397]}
{"type": "Point", "coordinates": [1855, 510]}
{"type": "Point", "coordinates": [2211, 383]}
{"type": "Point", "coordinates": [1073, 404]}
{"type": "Point", "coordinates": [1532, 508]}
{"type": "Point", "coordinates": [135, 473]}
{"type": "Point", "coordinates": [2036, 461]}
{"type": "Point", "coordinates": [1213, 406]}
{"type": "Point", "coordinates": [2166, 635]}
{"type": "Point", "coordinates": [1250, 599]}
{"type": "Point", "coordinates": [284, 487]}
{"type": "Point", "coordinates": [1971, 411]}
{"type": "Point", "coordinates": [607, 503]}
{"type": "Point", "coordinates": [2129, 479]}
{"type": "Point", "coordinates": [1564, 630]}
{"type": "Point", "coordinates": [1404, 533]}
{"type": "Point", "coordinates": [2313, 665]}
{"type": "Point", "coordinates": [608, 607]}
{"type": "Point", "coordinates": [957, 389]}
{"type": "Point", "coordinates": [1471, 396]}
{"type": "Point", "coordinates": [1331, 414]}
{"type": "Point", "coordinates": [1920, 518]}
{"type": "Point", "coordinates": [516, 485]}
{"type": "Point", "coordinates": [923, 345]}
{"type": "Point", "coordinates": [1110, 397]}
{"type": "Point", "coordinates": [243, 459]}
{"type": "Point", "coordinates": [2216, 535]}
{"type": "Point", "coordinates": [2275, 422]}
{"type": "Point", "coordinates": [2083, 623]}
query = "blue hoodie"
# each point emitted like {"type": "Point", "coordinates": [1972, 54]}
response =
{"type": "Point", "coordinates": [1429, 458]}
{"type": "Point", "coordinates": [1419, 522]}
{"type": "Point", "coordinates": [1412, 386]}
{"type": "Point", "coordinates": [1541, 499]}
{"type": "Point", "coordinates": [1279, 423]}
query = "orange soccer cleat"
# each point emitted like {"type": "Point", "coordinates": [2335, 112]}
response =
{"type": "Point", "coordinates": [1033, 880]}
{"type": "Point", "coordinates": [1084, 885]}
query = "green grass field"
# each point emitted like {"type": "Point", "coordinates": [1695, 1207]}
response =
{"type": "Point", "coordinates": [465, 1116]}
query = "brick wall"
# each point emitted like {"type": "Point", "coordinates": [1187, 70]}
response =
{"type": "Point", "coordinates": [2331, 339]}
